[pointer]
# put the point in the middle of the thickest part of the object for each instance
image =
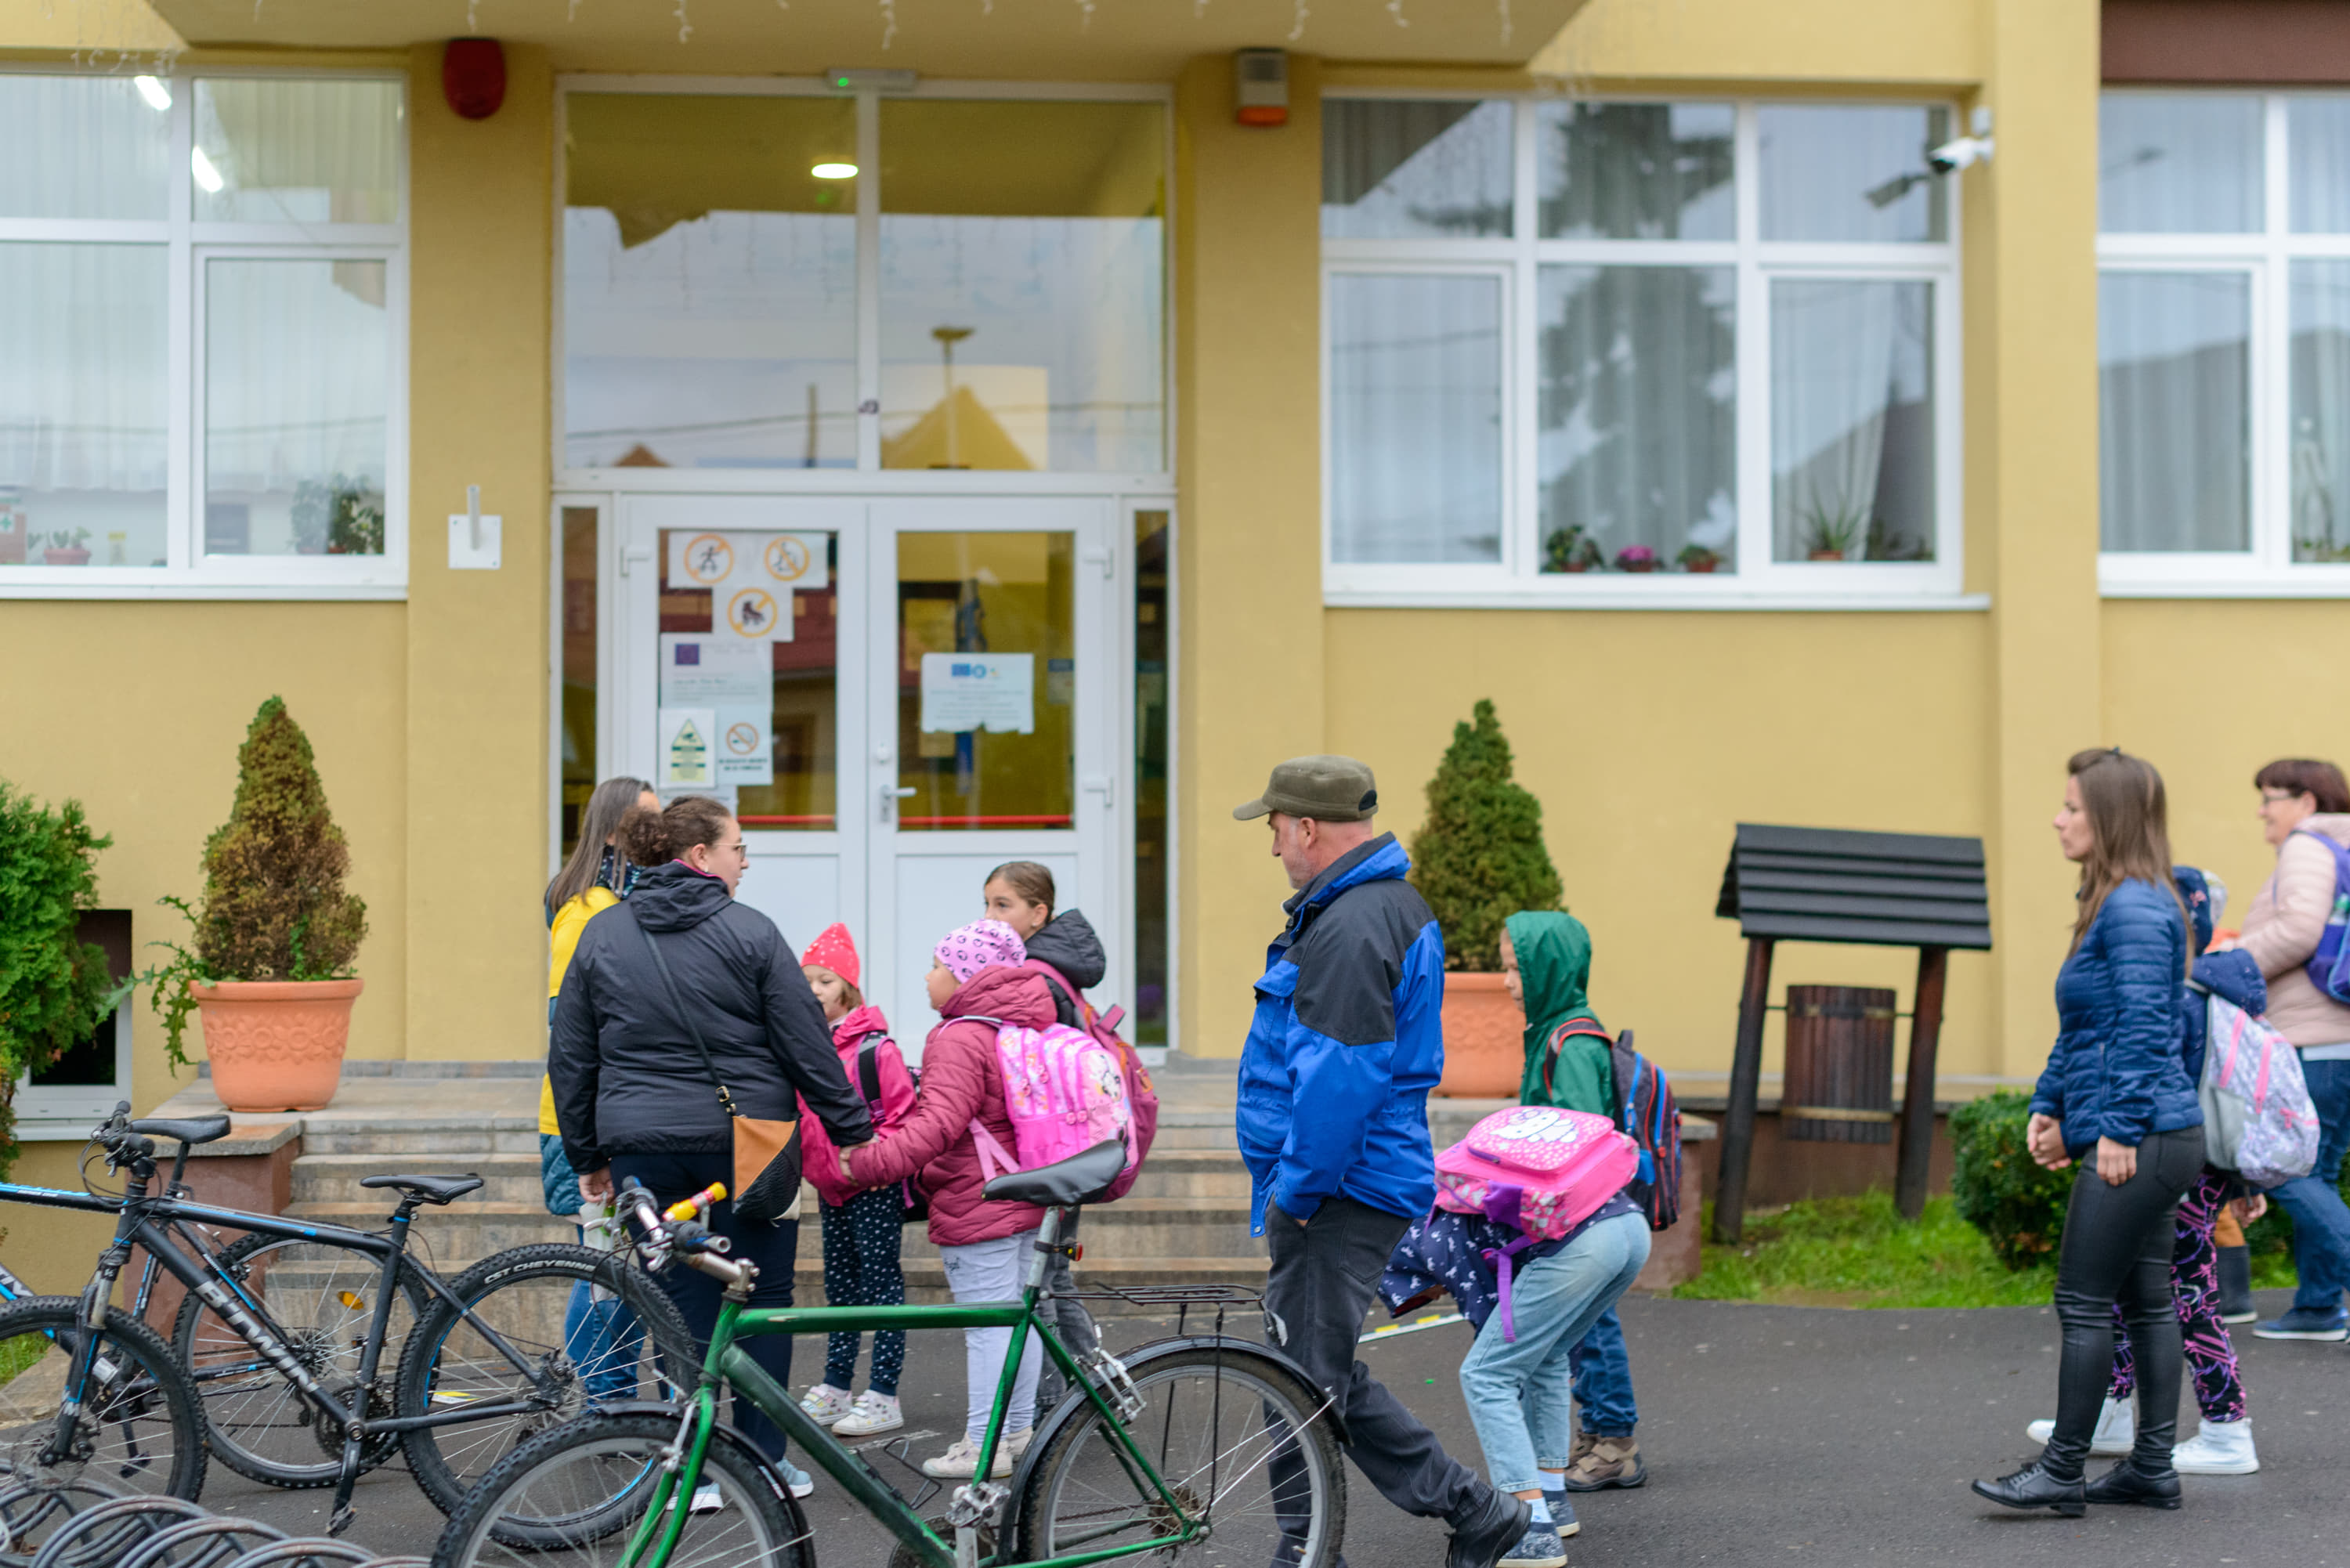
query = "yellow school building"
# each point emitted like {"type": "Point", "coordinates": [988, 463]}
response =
{"type": "Point", "coordinates": [961, 433]}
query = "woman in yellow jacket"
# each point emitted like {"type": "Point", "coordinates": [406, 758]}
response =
{"type": "Point", "coordinates": [596, 877]}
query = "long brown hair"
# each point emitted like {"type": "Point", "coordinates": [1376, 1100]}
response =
{"type": "Point", "coordinates": [2129, 832]}
{"type": "Point", "coordinates": [599, 824]}
{"type": "Point", "coordinates": [657, 837]}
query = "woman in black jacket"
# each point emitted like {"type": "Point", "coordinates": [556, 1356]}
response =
{"type": "Point", "coordinates": [631, 1092]}
{"type": "Point", "coordinates": [2117, 1098]}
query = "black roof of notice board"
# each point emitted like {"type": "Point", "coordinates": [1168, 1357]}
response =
{"type": "Point", "coordinates": [1827, 885]}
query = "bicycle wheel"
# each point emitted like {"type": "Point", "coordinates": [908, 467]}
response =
{"type": "Point", "coordinates": [323, 1299]}
{"type": "Point", "coordinates": [573, 1496]}
{"type": "Point", "coordinates": [1232, 1433]}
{"type": "Point", "coordinates": [621, 1347]}
{"type": "Point", "coordinates": [140, 1431]}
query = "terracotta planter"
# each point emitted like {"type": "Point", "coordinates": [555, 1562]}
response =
{"type": "Point", "coordinates": [1638, 565]}
{"type": "Point", "coordinates": [1701, 568]}
{"type": "Point", "coordinates": [1827, 554]}
{"type": "Point", "coordinates": [54, 557]}
{"type": "Point", "coordinates": [1484, 1038]}
{"type": "Point", "coordinates": [276, 1045]}
{"type": "Point", "coordinates": [1576, 566]}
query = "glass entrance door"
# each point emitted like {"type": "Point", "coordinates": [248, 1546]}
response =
{"type": "Point", "coordinates": [896, 696]}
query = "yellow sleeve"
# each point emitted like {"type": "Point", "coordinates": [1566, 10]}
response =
{"type": "Point", "coordinates": [562, 936]}
{"type": "Point", "coordinates": [546, 1122]}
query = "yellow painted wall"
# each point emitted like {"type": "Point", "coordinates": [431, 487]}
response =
{"type": "Point", "coordinates": [1815, 42]}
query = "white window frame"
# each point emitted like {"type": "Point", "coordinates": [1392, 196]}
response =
{"type": "Point", "coordinates": [190, 574]}
{"type": "Point", "coordinates": [1757, 582]}
{"type": "Point", "coordinates": [2265, 255]}
{"type": "Point", "coordinates": [49, 1112]}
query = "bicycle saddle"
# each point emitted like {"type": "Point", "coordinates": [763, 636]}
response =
{"type": "Point", "coordinates": [193, 1129]}
{"type": "Point", "coordinates": [1079, 1179]}
{"type": "Point", "coordinates": [431, 1189]}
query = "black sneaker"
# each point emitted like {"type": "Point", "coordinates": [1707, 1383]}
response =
{"type": "Point", "coordinates": [2236, 1285]}
{"type": "Point", "coordinates": [1489, 1529]}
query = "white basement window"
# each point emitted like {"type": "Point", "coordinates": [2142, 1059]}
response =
{"type": "Point", "coordinates": [1597, 352]}
{"type": "Point", "coordinates": [202, 318]}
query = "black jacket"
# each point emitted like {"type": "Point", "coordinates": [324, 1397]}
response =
{"type": "Point", "coordinates": [628, 1079]}
{"type": "Point", "coordinates": [1068, 942]}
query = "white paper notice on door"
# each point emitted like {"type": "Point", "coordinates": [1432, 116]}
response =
{"type": "Point", "coordinates": [705, 670]}
{"type": "Point", "coordinates": [745, 746]}
{"type": "Point", "coordinates": [979, 691]}
{"type": "Point", "coordinates": [684, 736]}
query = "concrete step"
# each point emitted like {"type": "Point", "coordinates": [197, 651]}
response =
{"type": "Point", "coordinates": [1192, 1173]}
{"type": "Point", "coordinates": [465, 1233]}
{"type": "Point", "coordinates": [335, 1178]}
{"type": "Point", "coordinates": [423, 1138]}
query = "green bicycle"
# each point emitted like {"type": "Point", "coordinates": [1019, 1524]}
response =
{"type": "Point", "coordinates": [1193, 1444]}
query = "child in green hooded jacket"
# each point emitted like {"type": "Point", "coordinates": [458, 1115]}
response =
{"type": "Point", "coordinates": [1570, 1063]}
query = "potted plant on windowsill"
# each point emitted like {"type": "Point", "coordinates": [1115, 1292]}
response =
{"type": "Point", "coordinates": [1569, 549]}
{"type": "Point", "coordinates": [54, 988]}
{"type": "Point", "coordinates": [1637, 559]}
{"type": "Point", "coordinates": [270, 968]}
{"type": "Point", "coordinates": [1478, 859]}
{"type": "Point", "coordinates": [1696, 558]}
{"type": "Point", "coordinates": [65, 549]}
{"type": "Point", "coordinates": [1831, 533]}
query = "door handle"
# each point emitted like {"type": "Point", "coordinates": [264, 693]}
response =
{"type": "Point", "coordinates": [1106, 784]}
{"type": "Point", "coordinates": [1105, 559]}
{"type": "Point", "coordinates": [631, 559]}
{"type": "Point", "coordinates": [891, 795]}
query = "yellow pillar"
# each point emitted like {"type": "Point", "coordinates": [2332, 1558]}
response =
{"type": "Point", "coordinates": [480, 231]}
{"type": "Point", "coordinates": [1249, 532]}
{"type": "Point", "coordinates": [2036, 276]}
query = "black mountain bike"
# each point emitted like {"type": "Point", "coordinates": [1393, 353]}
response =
{"type": "Point", "coordinates": [279, 1351]}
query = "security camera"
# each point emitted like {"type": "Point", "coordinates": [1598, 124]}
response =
{"type": "Point", "coordinates": [1963, 153]}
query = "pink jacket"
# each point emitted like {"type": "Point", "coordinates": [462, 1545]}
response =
{"type": "Point", "coordinates": [819, 1159]}
{"type": "Point", "coordinates": [2281, 928]}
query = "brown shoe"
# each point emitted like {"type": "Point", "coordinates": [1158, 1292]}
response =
{"type": "Point", "coordinates": [1603, 1462]}
{"type": "Point", "coordinates": [1583, 1443]}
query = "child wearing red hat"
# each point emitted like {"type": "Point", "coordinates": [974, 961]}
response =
{"type": "Point", "coordinates": [862, 1229]}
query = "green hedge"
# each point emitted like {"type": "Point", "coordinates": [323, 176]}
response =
{"type": "Point", "coordinates": [2018, 1206]}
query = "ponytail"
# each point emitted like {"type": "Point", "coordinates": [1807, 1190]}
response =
{"type": "Point", "coordinates": [657, 837]}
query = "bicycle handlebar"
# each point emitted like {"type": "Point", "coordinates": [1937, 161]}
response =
{"type": "Point", "coordinates": [661, 1241]}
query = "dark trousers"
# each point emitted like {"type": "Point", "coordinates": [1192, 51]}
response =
{"type": "Point", "coordinates": [1324, 1275]}
{"type": "Point", "coordinates": [773, 1247]}
{"type": "Point", "coordinates": [862, 1241]}
{"type": "Point", "coordinates": [2116, 1250]}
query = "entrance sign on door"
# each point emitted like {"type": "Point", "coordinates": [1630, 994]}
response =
{"type": "Point", "coordinates": [685, 735]}
{"type": "Point", "coordinates": [745, 746]}
{"type": "Point", "coordinates": [979, 691]}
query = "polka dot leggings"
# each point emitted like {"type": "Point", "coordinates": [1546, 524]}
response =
{"type": "Point", "coordinates": [861, 1240]}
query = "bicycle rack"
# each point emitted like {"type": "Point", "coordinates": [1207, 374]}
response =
{"type": "Point", "coordinates": [84, 1523]}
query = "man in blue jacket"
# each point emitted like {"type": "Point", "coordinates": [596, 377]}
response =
{"type": "Point", "coordinates": [1333, 1122]}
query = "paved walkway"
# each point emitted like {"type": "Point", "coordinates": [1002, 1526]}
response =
{"type": "Point", "coordinates": [1799, 1435]}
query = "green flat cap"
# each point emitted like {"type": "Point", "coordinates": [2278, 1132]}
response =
{"type": "Point", "coordinates": [1328, 789]}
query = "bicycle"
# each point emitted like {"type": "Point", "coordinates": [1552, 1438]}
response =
{"type": "Point", "coordinates": [284, 1332]}
{"type": "Point", "coordinates": [1189, 1439]}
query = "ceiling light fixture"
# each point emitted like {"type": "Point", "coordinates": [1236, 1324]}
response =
{"type": "Point", "coordinates": [835, 170]}
{"type": "Point", "coordinates": [151, 89]}
{"type": "Point", "coordinates": [206, 175]}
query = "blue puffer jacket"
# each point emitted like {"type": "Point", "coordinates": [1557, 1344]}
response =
{"type": "Point", "coordinates": [1345, 1044]}
{"type": "Point", "coordinates": [2116, 1070]}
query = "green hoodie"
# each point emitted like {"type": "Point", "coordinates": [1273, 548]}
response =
{"type": "Point", "coordinates": [1553, 966]}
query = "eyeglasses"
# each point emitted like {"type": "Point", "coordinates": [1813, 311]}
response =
{"type": "Point", "coordinates": [2278, 798]}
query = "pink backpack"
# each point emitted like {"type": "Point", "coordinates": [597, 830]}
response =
{"type": "Point", "coordinates": [1542, 1170]}
{"type": "Point", "coordinates": [1141, 1099]}
{"type": "Point", "coordinates": [1064, 1092]}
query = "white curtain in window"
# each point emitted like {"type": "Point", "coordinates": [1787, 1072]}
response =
{"type": "Point", "coordinates": [82, 147]}
{"type": "Point", "coordinates": [2173, 383]}
{"type": "Point", "coordinates": [2179, 163]}
{"type": "Point", "coordinates": [1844, 358]}
{"type": "Point", "coordinates": [295, 373]}
{"type": "Point", "coordinates": [82, 357]}
{"type": "Point", "coordinates": [2320, 411]}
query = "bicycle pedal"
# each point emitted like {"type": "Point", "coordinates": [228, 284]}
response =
{"type": "Point", "coordinates": [342, 1520]}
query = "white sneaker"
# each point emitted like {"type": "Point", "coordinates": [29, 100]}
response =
{"type": "Point", "coordinates": [1018, 1443]}
{"type": "Point", "coordinates": [825, 1404]}
{"type": "Point", "coordinates": [2219, 1449]}
{"type": "Point", "coordinates": [872, 1413]}
{"type": "Point", "coordinates": [797, 1481]}
{"type": "Point", "coordinates": [2117, 1428]}
{"type": "Point", "coordinates": [962, 1462]}
{"type": "Point", "coordinates": [707, 1499]}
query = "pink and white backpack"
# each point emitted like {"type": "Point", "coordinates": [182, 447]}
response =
{"type": "Point", "coordinates": [1540, 1169]}
{"type": "Point", "coordinates": [1064, 1092]}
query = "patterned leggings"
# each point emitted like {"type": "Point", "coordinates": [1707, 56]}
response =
{"type": "Point", "coordinates": [2195, 1291]}
{"type": "Point", "coordinates": [861, 1240]}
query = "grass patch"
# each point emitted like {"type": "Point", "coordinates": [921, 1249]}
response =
{"type": "Point", "coordinates": [1859, 1252]}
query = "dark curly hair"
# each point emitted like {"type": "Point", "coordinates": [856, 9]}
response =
{"type": "Point", "coordinates": [657, 837]}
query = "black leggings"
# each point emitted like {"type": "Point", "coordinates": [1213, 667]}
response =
{"type": "Point", "coordinates": [2116, 1250]}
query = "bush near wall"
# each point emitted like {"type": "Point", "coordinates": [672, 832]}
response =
{"type": "Point", "coordinates": [54, 987]}
{"type": "Point", "coordinates": [1999, 1188]}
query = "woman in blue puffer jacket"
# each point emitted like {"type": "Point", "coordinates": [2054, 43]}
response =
{"type": "Point", "coordinates": [2117, 1098]}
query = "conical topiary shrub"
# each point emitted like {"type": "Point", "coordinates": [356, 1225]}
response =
{"type": "Point", "coordinates": [1479, 858]}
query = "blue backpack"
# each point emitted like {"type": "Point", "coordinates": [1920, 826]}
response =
{"type": "Point", "coordinates": [2329, 966]}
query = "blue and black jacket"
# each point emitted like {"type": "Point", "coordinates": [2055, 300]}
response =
{"type": "Point", "coordinates": [1345, 1044]}
{"type": "Point", "coordinates": [2119, 1068]}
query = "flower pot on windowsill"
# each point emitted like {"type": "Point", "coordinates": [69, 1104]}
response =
{"type": "Point", "coordinates": [276, 1045]}
{"type": "Point", "coordinates": [1637, 566]}
{"type": "Point", "coordinates": [1701, 568]}
{"type": "Point", "coordinates": [1576, 566]}
{"type": "Point", "coordinates": [1827, 554]}
{"type": "Point", "coordinates": [52, 556]}
{"type": "Point", "coordinates": [1484, 1038]}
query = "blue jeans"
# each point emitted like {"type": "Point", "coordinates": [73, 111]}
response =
{"type": "Point", "coordinates": [2320, 1222]}
{"type": "Point", "coordinates": [1603, 1380]}
{"type": "Point", "coordinates": [602, 1339]}
{"type": "Point", "coordinates": [1518, 1390]}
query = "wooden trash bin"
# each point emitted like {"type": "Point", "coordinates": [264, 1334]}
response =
{"type": "Point", "coordinates": [1839, 1078]}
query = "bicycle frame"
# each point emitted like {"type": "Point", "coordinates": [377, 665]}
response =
{"type": "Point", "coordinates": [727, 1362]}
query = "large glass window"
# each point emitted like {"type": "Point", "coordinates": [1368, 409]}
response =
{"type": "Point", "coordinates": [213, 399]}
{"type": "Point", "coordinates": [1561, 350]}
{"type": "Point", "coordinates": [2223, 337]}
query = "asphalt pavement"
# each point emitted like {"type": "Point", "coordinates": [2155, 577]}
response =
{"type": "Point", "coordinates": [1807, 1435]}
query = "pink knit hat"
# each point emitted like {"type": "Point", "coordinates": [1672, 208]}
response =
{"type": "Point", "coordinates": [983, 944]}
{"type": "Point", "coordinates": [834, 950]}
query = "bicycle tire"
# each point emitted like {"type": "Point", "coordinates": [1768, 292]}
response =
{"type": "Point", "coordinates": [524, 1293]}
{"type": "Point", "coordinates": [580, 1489]}
{"type": "Point", "coordinates": [1082, 1494]}
{"type": "Point", "coordinates": [141, 1429]}
{"type": "Point", "coordinates": [255, 1421]}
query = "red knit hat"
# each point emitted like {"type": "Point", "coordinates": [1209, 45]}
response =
{"type": "Point", "coordinates": [834, 950]}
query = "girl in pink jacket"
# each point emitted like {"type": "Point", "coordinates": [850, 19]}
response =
{"type": "Point", "coordinates": [862, 1229]}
